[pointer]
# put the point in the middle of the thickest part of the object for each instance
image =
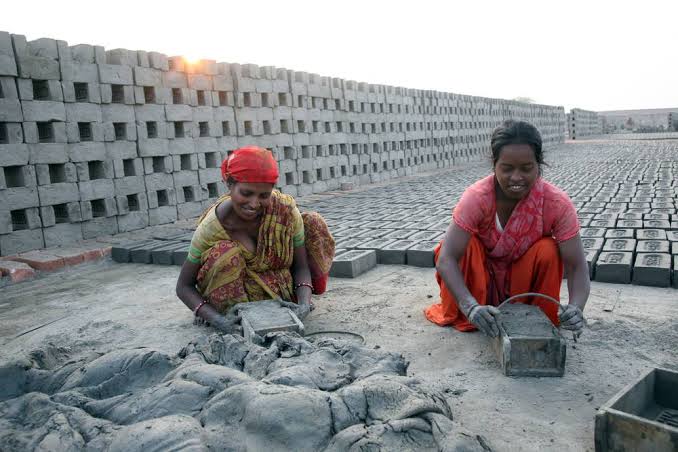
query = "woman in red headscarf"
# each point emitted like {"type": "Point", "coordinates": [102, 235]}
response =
{"type": "Point", "coordinates": [253, 244]}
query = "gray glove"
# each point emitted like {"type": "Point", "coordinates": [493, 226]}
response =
{"type": "Point", "coordinates": [485, 319]}
{"type": "Point", "coordinates": [571, 318]}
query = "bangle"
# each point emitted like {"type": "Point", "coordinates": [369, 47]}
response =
{"type": "Point", "coordinates": [304, 284]}
{"type": "Point", "coordinates": [470, 311]}
{"type": "Point", "coordinates": [195, 311]}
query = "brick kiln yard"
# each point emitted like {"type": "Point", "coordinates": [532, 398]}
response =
{"type": "Point", "coordinates": [107, 306]}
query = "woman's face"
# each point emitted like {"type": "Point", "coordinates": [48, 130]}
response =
{"type": "Point", "coordinates": [250, 199]}
{"type": "Point", "coordinates": [516, 170]}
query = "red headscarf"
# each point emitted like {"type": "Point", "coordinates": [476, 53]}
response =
{"type": "Point", "coordinates": [250, 164]}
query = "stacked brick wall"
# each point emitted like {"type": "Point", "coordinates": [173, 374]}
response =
{"type": "Point", "coordinates": [95, 142]}
{"type": "Point", "coordinates": [672, 122]}
{"type": "Point", "coordinates": [583, 123]}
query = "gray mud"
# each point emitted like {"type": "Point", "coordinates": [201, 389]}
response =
{"type": "Point", "coordinates": [222, 393]}
{"type": "Point", "coordinates": [524, 320]}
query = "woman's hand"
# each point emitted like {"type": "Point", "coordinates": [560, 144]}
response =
{"type": "Point", "coordinates": [578, 284]}
{"type": "Point", "coordinates": [226, 324]}
{"type": "Point", "coordinates": [485, 318]}
{"type": "Point", "coordinates": [572, 318]}
{"type": "Point", "coordinates": [301, 309]}
{"type": "Point", "coordinates": [301, 274]}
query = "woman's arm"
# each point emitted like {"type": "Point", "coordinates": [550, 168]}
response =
{"type": "Point", "coordinates": [454, 245]}
{"type": "Point", "coordinates": [453, 248]}
{"type": "Point", "coordinates": [578, 284]}
{"type": "Point", "coordinates": [302, 275]}
{"type": "Point", "coordinates": [186, 290]}
{"type": "Point", "coordinates": [187, 293]}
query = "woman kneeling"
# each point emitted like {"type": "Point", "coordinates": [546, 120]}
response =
{"type": "Point", "coordinates": [512, 232]}
{"type": "Point", "coordinates": [253, 245]}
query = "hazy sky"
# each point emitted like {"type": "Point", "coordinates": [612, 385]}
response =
{"type": "Point", "coordinates": [593, 54]}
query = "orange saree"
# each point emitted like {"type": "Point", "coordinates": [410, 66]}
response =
{"type": "Point", "coordinates": [523, 257]}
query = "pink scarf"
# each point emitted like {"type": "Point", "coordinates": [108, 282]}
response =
{"type": "Point", "coordinates": [524, 227]}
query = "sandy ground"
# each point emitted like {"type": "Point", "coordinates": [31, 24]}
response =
{"type": "Point", "coordinates": [106, 306]}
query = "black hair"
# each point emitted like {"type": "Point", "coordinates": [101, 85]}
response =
{"type": "Point", "coordinates": [516, 132]}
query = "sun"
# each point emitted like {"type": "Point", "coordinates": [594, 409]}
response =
{"type": "Point", "coordinates": [191, 60]}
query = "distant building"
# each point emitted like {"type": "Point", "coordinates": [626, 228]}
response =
{"type": "Point", "coordinates": [644, 119]}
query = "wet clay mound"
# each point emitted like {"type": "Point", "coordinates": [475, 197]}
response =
{"type": "Point", "coordinates": [222, 393]}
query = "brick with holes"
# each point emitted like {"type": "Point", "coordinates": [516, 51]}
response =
{"type": "Point", "coordinates": [422, 254]}
{"type": "Point", "coordinates": [653, 246]}
{"type": "Point", "coordinates": [591, 256]}
{"type": "Point", "coordinates": [134, 219]}
{"type": "Point", "coordinates": [36, 59]}
{"type": "Point", "coordinates": [620, 234]}
{"type": "Point", "coordinates": [7, 59]}
{"type": "Point", "coordinates": [656, 224]}
{"type": "Point", "coordinates": [619, 245]}
{"type": "Point", "coordinates": [163, 255]}
{"type": "Point", "coordinates": [629, 223]}
{"type": "Point", "coordinates": [593, 243]}
{"type": "Point", "coordinates": [614, 267]}
{"type": "Point", "coordinates": [43, 111]}
{"type": "Point", "coordinates": [395, 253]}
{"type": "Point", "coordinates": [21, 240]}
{"type": "Point", "coordinates": [592, 232]}
{"type": "Point", "coordinates": [353, 263]}
{"type": "Point", "coordinates": [99, 226]}
{"type": "Point", "coordinates": [651, 234]}
{"type": "Point", "coordinates": [162, 215]}
{"type": "Point", "coordinates": [62, 234]}
{"type": "Point", "coordinates": [179, 254]}
{"type": "Point", "coordinates": [652, 269]}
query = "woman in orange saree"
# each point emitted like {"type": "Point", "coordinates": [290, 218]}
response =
{"type": "Point", "coordinates": [254, 244]}
{"type": "Point", "coordinates": [512, 232]}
